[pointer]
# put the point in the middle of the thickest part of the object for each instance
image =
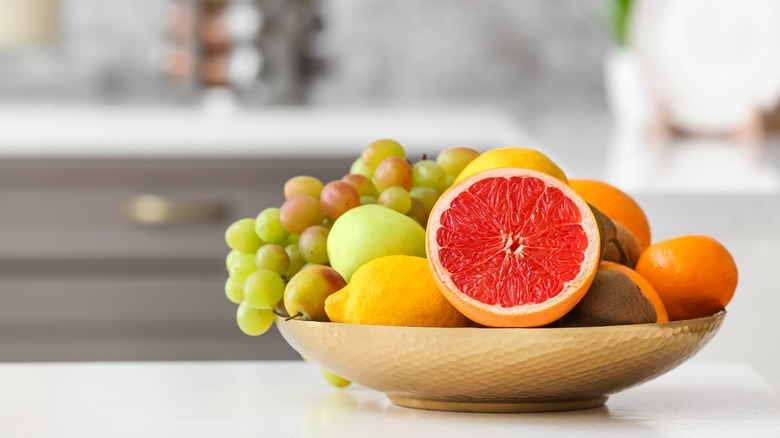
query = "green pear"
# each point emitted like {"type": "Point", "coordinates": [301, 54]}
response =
{"type": "Point", "coordinates": [371, 231]}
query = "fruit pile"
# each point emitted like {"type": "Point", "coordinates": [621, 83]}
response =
{"type": "Point", "coordinates": [494, 239]}
{"type": "Point", "coordinates": [289, 259]}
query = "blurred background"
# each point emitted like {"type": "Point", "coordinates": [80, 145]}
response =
{"type": "Point", "coordinates": [303, 51]}
{"type": "Point", "coordinates": [132, 132]}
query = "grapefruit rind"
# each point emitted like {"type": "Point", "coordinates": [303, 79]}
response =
{"type": "Point", "coordinates": [528, 314]}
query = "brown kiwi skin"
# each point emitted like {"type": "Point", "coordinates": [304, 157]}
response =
{"type": "Point", "coordinates": [607, 229]}
{"type": "Point", "coordinates": [612, 299]}
{"type": "Point", "coordinates": [630, 246]}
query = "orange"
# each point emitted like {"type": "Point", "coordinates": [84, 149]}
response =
{"type": "Point", "coordinates": [617, 205]}
{"type": "Point", "coordinates": [695, 276]}
{"type": "Point", "coordinates": [512, 247]}
{"type": "Point", "coordinates": [647, 289]}
{"type": "Point", "coordinates": [523, 158]}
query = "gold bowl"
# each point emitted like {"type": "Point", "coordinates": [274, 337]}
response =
{"type": "Point", "coordinates": [499, 370]}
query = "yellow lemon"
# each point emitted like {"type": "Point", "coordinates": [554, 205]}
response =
{"type": "Point", "coordinates": [394, 290]}
{"type": "Point", "coordinates": [512, 157]}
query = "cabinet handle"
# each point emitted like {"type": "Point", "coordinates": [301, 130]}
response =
{"type": "Point", "coordinates": [158, 210]}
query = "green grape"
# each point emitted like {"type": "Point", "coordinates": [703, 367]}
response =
{"type": "Point", "coordinates": [231, 258]}
{"type": "Point", "coordinates": [454, 160]}
{"type": "Point", "coordinates": [296, 260]}
{"type": "Point", "coordinates": [233, 291]}
{"type": "Point", "coordinates": [380, 150]}
{"type": "Point", "coordinates": [449, 181]}
{"type": "Point", "coordinates": [292, 238]}
{"type": "Point", "coordinates": [418, 212]}
{"type": "Point", "coordinates": [313, 244]}
{"type": "Point", "coordinates": [334, 379]}
{"type": "Point", "coordinates": [263, 289]}
{"type": "Point", "coordinates": [360, 168]}
{"type": "Point", "coordinates": [241, 236]}
{"type": "Point", "coordinates": [397, 199]}
{"type": "Point", "coordinates": [298, 185]}
{"type": "Point", "coordinates": [269, 228]}
{"type": "Point", "coordinates": [429, 174]}
{"type": "Point", "coordinates": [301, 212]}
{"type": "Point", "coordinates": [254, 322]}
{"type": "Point", "coordinates": [361, 183]}
{"type": "Point", "coordinates": [273, 257]}
{"type": "Point", "coordinates": [394, 171]}
{"type": "Point", "coordinates": [426, 195]}
{"type": "Point", "coordinates": [242, 267]}
{"type": "Point", "coordinates": [338, 197]}
{"type": "Point", "coordinates": [368, 200]}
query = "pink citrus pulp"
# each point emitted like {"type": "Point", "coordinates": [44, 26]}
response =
{"type": "Point", "coordinates": [512, 247]}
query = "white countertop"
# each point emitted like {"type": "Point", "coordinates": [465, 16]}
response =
{"type": "Point", "coordinates": [290, 399]}
{"type": "Point", "coordinates": [91, 131]}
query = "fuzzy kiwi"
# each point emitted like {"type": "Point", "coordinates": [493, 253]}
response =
{"type": "Point", "coordinates": [607, 229]}
{"type": "Point", "coordinates": [628, 252]}
{"type": "Point", "coordinates": [612, 299]}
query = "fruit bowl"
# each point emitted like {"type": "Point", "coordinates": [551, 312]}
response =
{"type": "Point", "coordinates": [499, 370]}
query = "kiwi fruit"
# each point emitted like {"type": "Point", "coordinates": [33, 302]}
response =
{"type": "Point", "coordinates": [631, 250]}
{"type": "Point", "coordinates": [612, 299]}
{"type": "Point", "coordinates": [607, 229]}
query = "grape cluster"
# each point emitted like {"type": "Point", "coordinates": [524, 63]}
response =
{"type": "Point", "coordinates": [267, 252]}
{"type": "Point", "coordinates": [407, 188]}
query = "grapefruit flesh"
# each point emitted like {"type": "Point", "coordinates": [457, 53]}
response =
{"type": "Point", "coordinates": [513, 247]}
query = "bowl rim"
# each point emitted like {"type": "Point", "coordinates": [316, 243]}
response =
{"type": "Point", "coordinates": [281, 318]}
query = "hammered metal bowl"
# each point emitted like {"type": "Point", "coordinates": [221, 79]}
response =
{"type": "Point", "coordinates": [499, 370]}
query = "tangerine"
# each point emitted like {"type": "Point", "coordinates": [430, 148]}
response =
{"type": "Point", "coordinates": [617, 205]}
{"type": "Point", "coordinates": [694, 275]}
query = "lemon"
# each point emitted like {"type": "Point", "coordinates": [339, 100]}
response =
{"type": "Point", "coordinates": [512, 157]}
{"type": "Point", "coordinates": [394, 290]}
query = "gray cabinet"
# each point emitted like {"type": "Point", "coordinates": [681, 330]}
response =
{"type": "Point", "coordinates": [88, 273]}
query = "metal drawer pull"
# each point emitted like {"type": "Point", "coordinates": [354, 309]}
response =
{"type": "Point", "coordinates": [157, 210]}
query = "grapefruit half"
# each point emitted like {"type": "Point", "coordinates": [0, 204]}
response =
{"type": "Point", "coordinates": [512, 247]}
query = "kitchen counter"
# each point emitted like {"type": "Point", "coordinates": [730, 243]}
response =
{"type": "Point", "coordinates": [290, 399]}
{"type": "Point", "coordinates": [224, 131]}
